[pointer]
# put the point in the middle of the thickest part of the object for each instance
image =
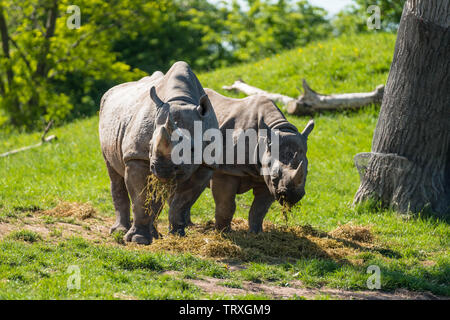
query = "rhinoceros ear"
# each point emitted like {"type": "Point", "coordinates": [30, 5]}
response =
{"type": "Point", "coordinates": [162, 143]}
{"type": "Point", "coordinates": [309, 127]}
{"type": "Point", "coordinates": [204, 106]}
{"type": "Point", "coordinates": [159, 103]}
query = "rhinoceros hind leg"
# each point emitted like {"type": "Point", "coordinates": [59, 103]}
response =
{"type": "Point", "coordinates": [121, 201]}
{"type": "Point", "coordinates": [224, 189]}
{"type": "Point", "coordinates": [261, 204]}
{"type": "Point", "coordinates": [136, 173]}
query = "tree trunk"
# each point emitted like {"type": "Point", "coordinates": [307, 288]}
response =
{"type": "Point", "coordinates": [409, 166]}
{"type": "Point", "coordinates": [42, 67]}
{"type": "Point", "coordinates": [5, 47]}
{"type": "Point", "coordinates": [8, 88]}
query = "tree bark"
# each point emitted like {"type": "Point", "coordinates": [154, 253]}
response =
{"type": "Point", "coordinates": [6, 89]}
{"type": "Point", "coordinates": [5, 46]}
{"type": "Point", "coordinates": [409, 166]}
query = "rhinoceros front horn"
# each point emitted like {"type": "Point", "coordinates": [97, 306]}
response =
{"type": "Point", "coordinates": [159, 103]}
{"type": "Point", "coordinates": [299, 174]}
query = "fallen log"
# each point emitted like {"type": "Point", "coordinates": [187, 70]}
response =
{"type": "Point", "coordinates": [43, 140]}
{"type": "Point", "coordinates": [310, 101]}
{"type": "Point", "coordinates": [241, 86]}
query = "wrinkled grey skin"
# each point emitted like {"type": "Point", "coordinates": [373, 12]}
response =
{"type": "Point", "coordinates": [285, 184]}
{"type": "Point", "coordinates": [136, 123]}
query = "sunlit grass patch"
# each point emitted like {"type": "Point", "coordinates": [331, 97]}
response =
{"type": "Point", "coordinates": [24, 235]}
{"type": "Point", "coordinates": [325, 243]}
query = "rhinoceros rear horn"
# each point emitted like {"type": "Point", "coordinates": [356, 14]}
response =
{"type": "Point", "coordinates": [204, 106]}
{"type": "Point", "coordinates": [159, 103]}
{"type": "Point", "coordinates": [169, 125]}
{"type": "Point", "coordinates": [309, 127]}
{"type": "Point", "coordinates": [163, 144]}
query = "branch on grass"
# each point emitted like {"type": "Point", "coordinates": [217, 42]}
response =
{"type": "Point", "coordinates": [43, 140]}
{"type": "Point", "coordinates": [241, 86]}
{"type": "Point", "coordinates": [311, 102]}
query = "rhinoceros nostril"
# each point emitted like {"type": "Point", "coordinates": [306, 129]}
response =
{"type": "Point", "coordinates": [282, 190]}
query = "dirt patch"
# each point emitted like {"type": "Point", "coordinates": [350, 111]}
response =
{"type": "Point", "coordinates": [123, 296]}
{"type": "Point", "coordinates": [215, 286]}
{"type": "Point", "coordinates": [6, 228]}
{"type": "Point", "coordinates": [66, 221]}
{"type": "Point", "coordinates": [275, 244]}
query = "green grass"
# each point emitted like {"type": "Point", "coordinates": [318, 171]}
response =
{"type": "Point", "coordinates": [416, 255]}
{"type": "Point", "coordinates": [24, 235]}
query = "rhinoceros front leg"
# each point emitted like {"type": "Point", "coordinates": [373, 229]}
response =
{"type": "Point", "coordinates": [261, 204]}
{"type": "Point", "coordinates": [224, 189]}
{"type": "Point", "coordinates": [121, 201]}
{"type": "Point", "coordinates": [185, 196]}
{"type": "Point", "coordinates": [136, 173]}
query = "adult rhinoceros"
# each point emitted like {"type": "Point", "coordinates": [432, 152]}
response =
{"type": "Point", "coordinates": [137, 120]}
{"type": "Point", "coordinates": [284, 180]}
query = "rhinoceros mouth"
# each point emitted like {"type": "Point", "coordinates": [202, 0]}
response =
{"type": "Point", "coordinates": [289, 199]}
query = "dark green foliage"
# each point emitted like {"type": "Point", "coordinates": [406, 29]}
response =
{"type": "Point", "coordinates": [353, 19]}
{"type": "Point", "coordinates": [54, 72]}
{"type": "Point", "coordinates": [269, 27]}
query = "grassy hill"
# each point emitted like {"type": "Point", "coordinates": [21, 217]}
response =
{"type": "Point", "coordinates": [321, 244]}
{"type": "Point", "coordinates": [346, 64]}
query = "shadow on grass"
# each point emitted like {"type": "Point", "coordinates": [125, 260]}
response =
{"type": "Point", "coordinates": [318, 257]}
{"type": "Point", "coordinates": [374, 206]}
{"type": "Point", "coordinates": [282, 244]}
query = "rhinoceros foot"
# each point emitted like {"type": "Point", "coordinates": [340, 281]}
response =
{"type": "Point", "coordinates": [138, 235]}
{"type": "Point", "coordinates": [155, 233]}
{"type": "Point", "coordinates": [255, 229]}
{"type": "Point", "coordinates": [223, 227]}
{"type": "Point", "coordinates": [190, 224]}
{"type": "Point", "coordinates": [177, 231]}
{"type": "Point", "coordinates": [119, 227]}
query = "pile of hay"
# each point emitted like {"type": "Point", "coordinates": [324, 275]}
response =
{"type": "Point", "coordinates": [77, 210]}
{"type": "Point", "coordinates": [274, 244]}
{"type": "Point", "coordinates": [354, 233]}
{"type": "Point", "coordinates": [209, 244]}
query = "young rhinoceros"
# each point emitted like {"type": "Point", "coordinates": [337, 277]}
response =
{"type": "Point", "coordinates": [135, 128]}
{"type": "Point", "coordinates": [284, 181]}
